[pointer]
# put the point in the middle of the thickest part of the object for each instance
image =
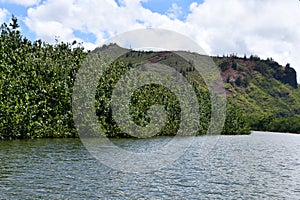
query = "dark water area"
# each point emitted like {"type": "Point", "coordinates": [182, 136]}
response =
{"type": "Point", "coordinates": [256, 166]}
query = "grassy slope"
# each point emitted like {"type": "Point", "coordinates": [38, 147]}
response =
{"type": "Point", "coordinates": [259, 96]}
{"type": "Point", "coordinates": [265, 96]}
{"type": "Point", "coordinates": [268, 103]}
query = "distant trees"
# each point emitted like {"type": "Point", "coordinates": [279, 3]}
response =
{"type": "Point", "coordinates": [224, 65]}
{"type": "Point", "coordinates": [235, 123]}
{"type": "Point", "coordinates": [285, 125]}
{"type": "Point", "coordinates": [254, 58]}
{"type": "Point", "coordinates": [241, 82]}
{"type": "Point", "coordinates": [234, 65]}
{"type": "Point", "coordinates": [275, 124]}
{"type": "Point", "coordinates": [238, 81]}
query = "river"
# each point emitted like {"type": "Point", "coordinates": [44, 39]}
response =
{"type": "Point", "coordinates": [257, 166]}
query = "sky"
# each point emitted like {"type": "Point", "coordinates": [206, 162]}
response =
{"type": "Point", "coordinates": [267, 28]}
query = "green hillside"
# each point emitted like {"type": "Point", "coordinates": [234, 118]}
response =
{"type": "Point", "coordinates": [262, 90]}
{"type": "Point", "coordinates": [37, 81]}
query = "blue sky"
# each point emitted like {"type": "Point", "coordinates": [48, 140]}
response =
{"type": "Point", "coordinates": [162, 6]}
{"type": "Point", "coordinates": [19, 11]}
{"type": "Point", "coordinates": [218, 26]}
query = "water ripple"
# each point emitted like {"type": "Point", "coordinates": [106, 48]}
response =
{"type": "Point", "coordinates": [259, 166]}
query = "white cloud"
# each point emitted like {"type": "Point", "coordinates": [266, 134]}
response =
{"type": "Point", "coordinates": [268, 28]}
{"type": "Point", "coordinates": [22, 2]}
{"type": "Point", "coordinates": [102, 18]}
{"type": "Point", "coordinates": [60, 18]}
{"type": "Point", "coordinates": [3, 15]}
{"type": "Point", "coordinates": [175, 11]}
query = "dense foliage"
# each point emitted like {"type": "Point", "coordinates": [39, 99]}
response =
{"type": "Point", "coordinates": [36, 82]}
{"type": "Point", "coordinates": [142, 100]}
{"type": "Point", "coordinates": [149, 95]}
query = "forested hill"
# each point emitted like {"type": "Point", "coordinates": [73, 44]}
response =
{"type": "Point", "coordinates": [37, 79]}
{"type": "Point", "coordinates": [264, 91]}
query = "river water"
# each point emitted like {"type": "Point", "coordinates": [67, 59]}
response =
{"type": "Point", "coordinates": [258, 166]}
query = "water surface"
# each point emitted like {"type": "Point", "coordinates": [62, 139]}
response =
{"type": "Point", "coordinates": [258, 166]}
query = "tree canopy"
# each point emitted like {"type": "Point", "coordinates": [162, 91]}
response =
{"type": "Point", "coordinates": [36, 84]}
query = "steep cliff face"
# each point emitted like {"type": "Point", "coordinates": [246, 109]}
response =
{"type": "Point", "coordinates": [289, 77]}
{"type": "Point", "coordinates": [235, 69]}
{"type": "Point", "coordinates": [260, 87]}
